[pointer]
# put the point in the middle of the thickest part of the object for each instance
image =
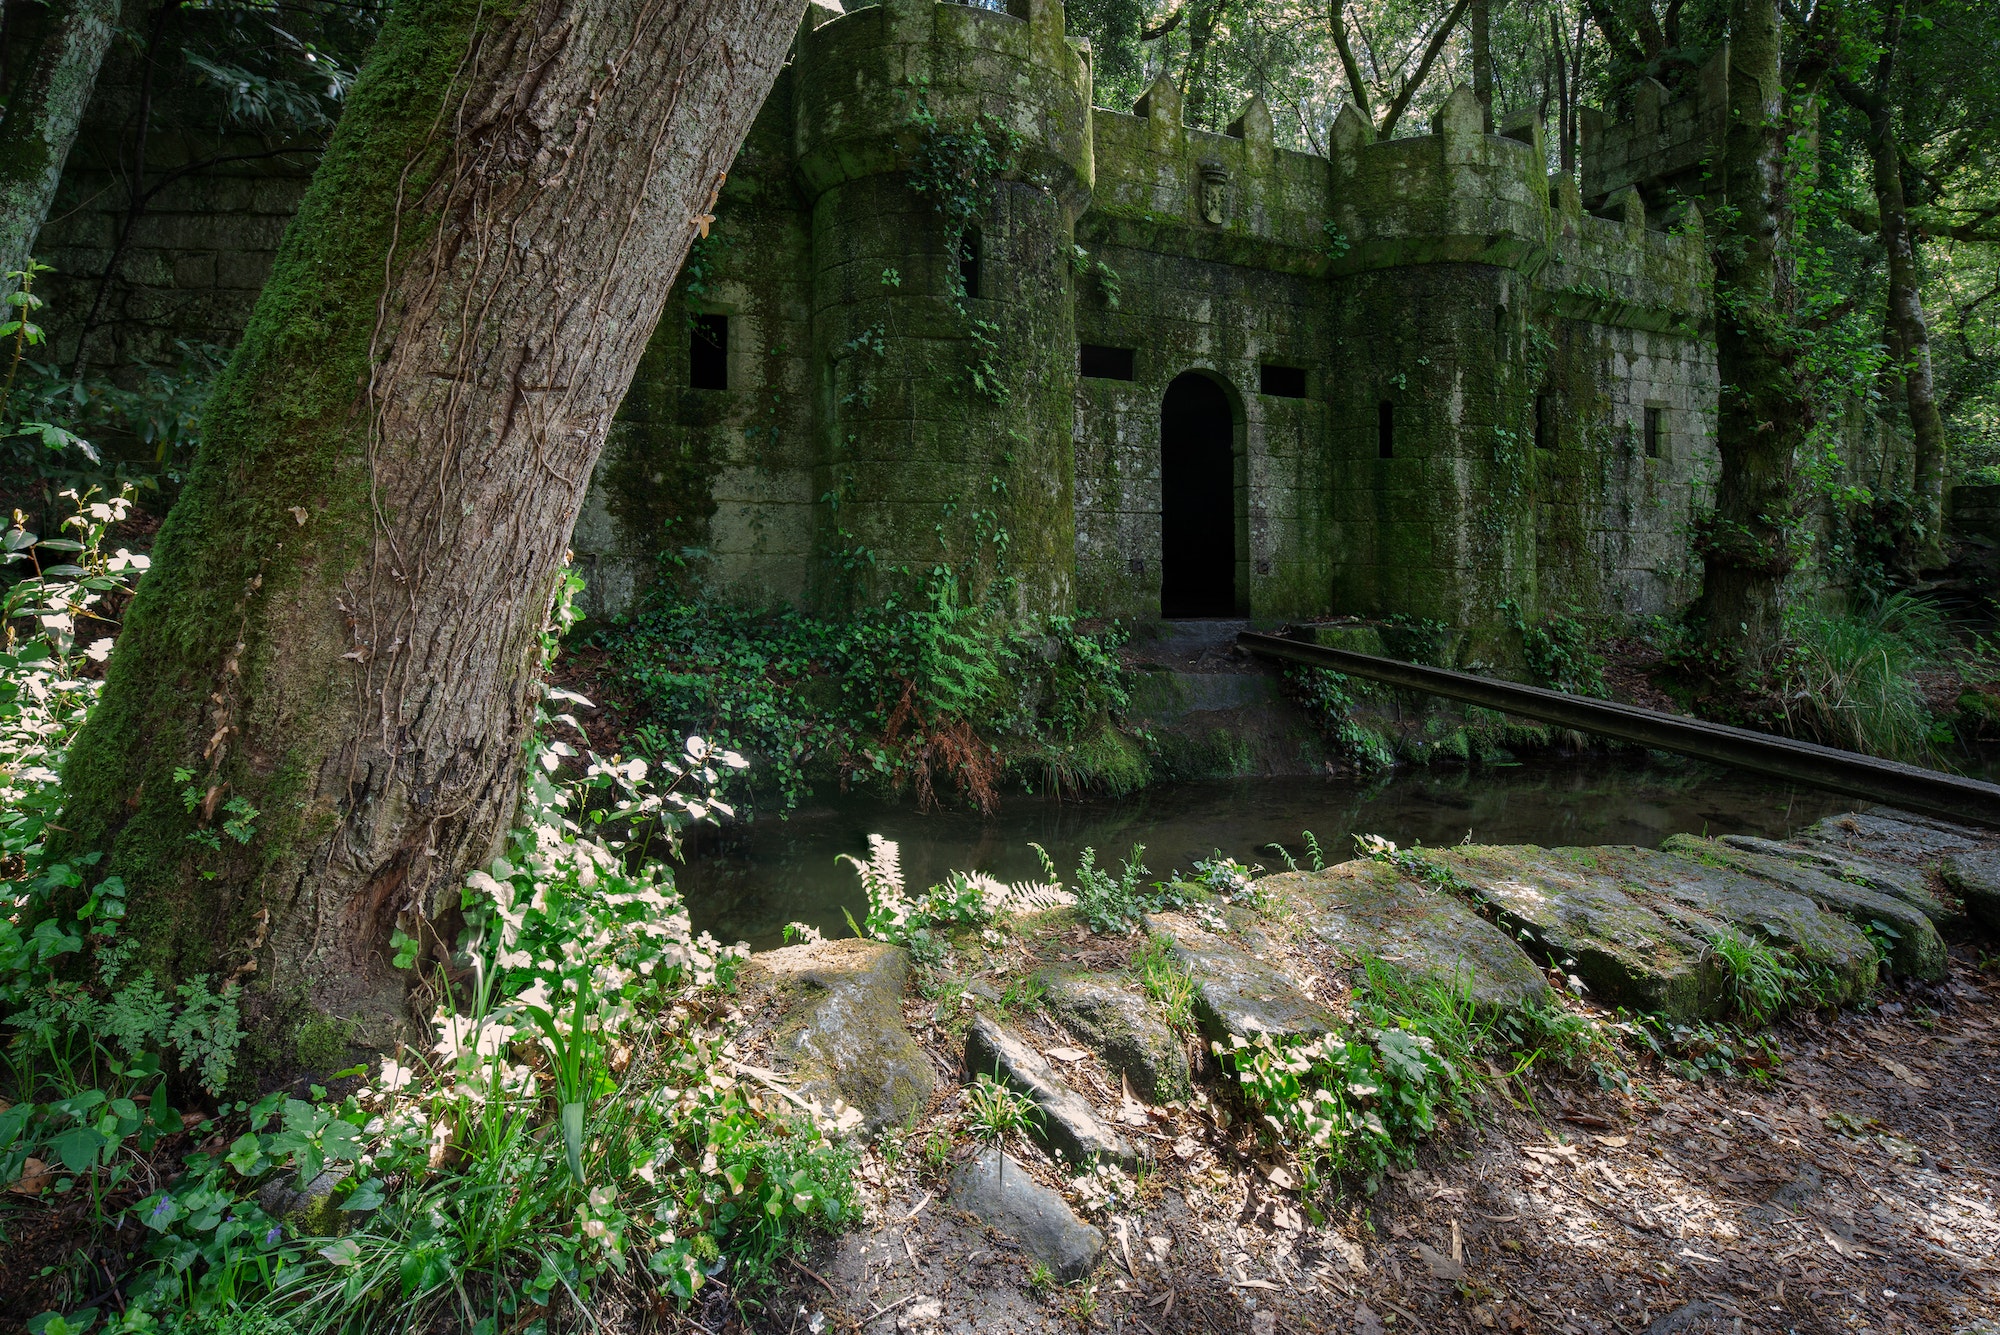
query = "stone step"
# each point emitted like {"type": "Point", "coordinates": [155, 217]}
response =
{"type": "Point", "coordinates": [1369, 910]}
{"type": "Point", "coordinates": [1068, 1125]}
{"type": "Point", "coordinates": [1122, 1027]}
{"type": "Point", "coordinates": [1238, 992]}
{"type": "Point", "coordinates": [836, 1012]}
{"type": "Point", "coordinates": [1976, 877]}
{"type": "Point", "coordinates": [1000, 1193]}
{"type": "Point", "coordinates": [1574, 915]}
{"type": "Point", "coordinates": [1917, 951]}
{"type": "Point", "coordinates": [1891, 878]}
{"type": "Point", "coordinates": [1709, 899]}
{"type": "Point", "coordinates": [1874, 834]}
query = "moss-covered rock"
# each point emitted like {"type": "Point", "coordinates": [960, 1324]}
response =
{"type": "Point", "coordinates": [842, 1029]}
{"type": "Point", "coordinates": [1915, 950]}
{"type": "Point", "coordinates": [1904, 840]}
{"type": "Point", "coordinates": [1905, 883]}
{"type": "Point", "coordinates": [1239, 992]}
{"type": "Point", "coordinates": [1705, 896]}
{"type": "Point", "coordinates": [1068, 1124]}
{"type": "Point", "coordinates": [1566, 909]}
{"type": "Point", "coordinates": [1976, 876]}
{"type": "Point", "coordinates": [1367, 910]}
{"type": "Point", "coordinates": [1123, 1029]}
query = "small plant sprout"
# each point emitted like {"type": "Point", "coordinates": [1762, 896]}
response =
{"type": "Point", "coordinates": [999, 1111]}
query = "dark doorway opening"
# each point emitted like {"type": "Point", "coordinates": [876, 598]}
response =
{"type": "Point", "coordinates": [1197, 500]}
{"type": "Point", "coordinates": [708, 352]}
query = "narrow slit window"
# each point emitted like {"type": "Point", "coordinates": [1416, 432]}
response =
{"type": "Point", "coordinates": [1545, 427]}
{"type": "Point", "coordinates": [968, 262]}
{"type": "Point", "coordinates": [1656, 433]}
{"type": "Point", "coordinates": [708, 352]}
{"type": "Point", "coordinates": [1098, 362]}
{"type": "Point", "coordinates": [1283, 382]}
{"type": "Point", "coordinates": [1385, 430]}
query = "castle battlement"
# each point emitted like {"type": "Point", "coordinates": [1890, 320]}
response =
{"type": "Point", "coordinates": [1168, 370]}
{"type": "Point", "coordinates": [1662, 151]}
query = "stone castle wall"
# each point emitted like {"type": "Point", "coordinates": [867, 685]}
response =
{"type": "Point", "coordinates": [1520, 344]}
{"type": "Point", "coordinates": [1519, 340]}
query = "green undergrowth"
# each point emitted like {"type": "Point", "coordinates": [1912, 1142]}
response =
{"type": "Point", "coordinates": [927, 696]}
{"type": "Point", "coordinates": [1848, 678]}
{"type": "Point", "coordinates": [1414, 1053]}
{"type": "Point", "coordinates": [1373, 728]}
{"type": "Point", "coordinates": [1848, 675]}
{"type": "Point", "coordinates": [63, 431]}
{"type": "Point", "coordinates": [1106, 902]}
{"type": "Point", "coordinates": [567, 1132]}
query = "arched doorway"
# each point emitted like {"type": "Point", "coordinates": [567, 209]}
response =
{"type": "Point", "coordinates": [1197, 500]}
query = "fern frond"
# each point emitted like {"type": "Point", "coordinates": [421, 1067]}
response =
{"type": "Point", "coordinates": [1033, 897]}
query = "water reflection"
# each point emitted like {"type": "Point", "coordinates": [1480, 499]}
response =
{"type": "Point", "coordinates": [747, 883]}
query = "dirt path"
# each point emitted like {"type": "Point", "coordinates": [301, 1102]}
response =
{"type": "Point", "coordinates": [1854, 1191]}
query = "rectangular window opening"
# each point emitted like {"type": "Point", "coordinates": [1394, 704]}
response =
{"type": "Point", "coordinates": [1545, 427]}
{"type": "Point", "coordinates": [1656, 433]}
{"type": "Point", "coordinates": [1385, 430]}
{"type": "Point", "coordinates": [968, 262]}
{"type": "Point", "coordinates": [708, 352]}
{"type": "Point", "coordinates": [1283, 382]}
{"type": "Point", "coordinates": [1101, 363]}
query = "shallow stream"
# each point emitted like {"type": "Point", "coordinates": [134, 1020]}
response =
{"type": "Point", "coordinates": [746, 883]}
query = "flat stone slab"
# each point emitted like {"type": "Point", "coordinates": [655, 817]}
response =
{"type": "Point", "coordinates": [1237, 993]}
{"type": "Point", "coordinates": [1891, 878]}
{"type": "Point", "coordinates": [1368, 910]}
{"type": "Point", "coordinates": [1069, 1125]}
{"type": "Point", "coordinates": [999, 1192]}
{"type": "Point", "coordinates": [1565, 907]}
{"type": "Point", "coordinates": [1976, 877]}
{"type": "Point", "coordinates": [1122, 1027]}
{"type": "Point", "coordinates": [845, 1035]}
{"type": "Point", "coordinates": [1707, 898]}
{"type": "Point", "coordinates": [1876, 834]}
{"type": "Point", "coordinates": [1916, 951]}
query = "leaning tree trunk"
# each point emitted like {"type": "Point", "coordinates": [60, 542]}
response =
{"type": "Point", "coordinates": [43, 114]}
{"type": "Point", "coordinates": [1909, 334]}
{"type": "Point", "coordinates": [340, 629]}
{"type": "Point", "coordinates": [1746, 546]}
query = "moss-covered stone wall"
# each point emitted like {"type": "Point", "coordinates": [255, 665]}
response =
{"type": "Point", "coordinates": [1438, 366]}
{"type": "Point", "coordinates": [875, 425]}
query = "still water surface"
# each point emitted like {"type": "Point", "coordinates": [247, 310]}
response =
{"type": "Point", "coordinates": [746, 883]}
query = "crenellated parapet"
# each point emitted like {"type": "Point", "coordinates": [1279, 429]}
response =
{"type": "Point", "coordinates": [1456, 195]}
{"type": "Point", "coordinates": [1664, 148]}
{"type": "Point", "coordinates": [862, 75]}
{"type": "Point", "coordinates": [1234, 197]}
{"type": "Point", "coordinates": [1429, 377]}
{"type": "Point", "coordinates": [1620, 270]}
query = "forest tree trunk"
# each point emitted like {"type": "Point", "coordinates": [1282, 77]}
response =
{"type": "Point", "coordinates": [341, 626]}
{"type": "Point", "coordinates": [43, 113]}
{"type": "Point", "coordinates": [1746, 547]}
{"type": "Point", "coordinates": [1907, 328]}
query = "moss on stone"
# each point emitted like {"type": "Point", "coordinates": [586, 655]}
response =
{"type": "Point", "coordinates": [323, 1043]}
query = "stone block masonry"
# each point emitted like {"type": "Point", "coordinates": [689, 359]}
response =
{"type": "Point", "coordinates": [1416, 376]}
{"type": "Point", "coordinates": [1440, 383]}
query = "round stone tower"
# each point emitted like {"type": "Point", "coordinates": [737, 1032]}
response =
{"type": "Point", "coordinates": [947, 372]}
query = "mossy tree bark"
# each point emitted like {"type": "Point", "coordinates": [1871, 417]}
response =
{"type": "Point", "coordinates": [43, 112]}
{"type": "Point", "coordinates": [1746, 546]}
{"type": "Point", "coordinates": [1907, 327]}
{"type": "Point", "coordinates": [341, 625]}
